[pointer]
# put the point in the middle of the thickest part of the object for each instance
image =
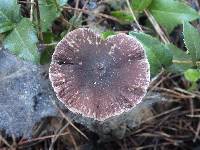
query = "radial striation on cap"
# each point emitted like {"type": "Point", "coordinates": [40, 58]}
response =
{"type": "Point", "coordinates": [99, 78]}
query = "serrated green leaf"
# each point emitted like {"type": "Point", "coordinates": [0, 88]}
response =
{"type": "Point", "coordinates": [49, 11]}
{"type": "Point", "coordinates": [9, 15]}
{"type": "Point", "coordinates": [123, 16]}
{"type": "Point", "coordinates": [192, 41]}
{"type": "Point", "coordinates": [140, 4]}
{"type": "Point", "coordinates": [192, 75]}
{"type": "Point", "coordinates": [22, 41]}
{"type": "Point", "coordinates": [158, 55]}
{"type": "Point", "coordinates": [170, 13]}
{"type": "Point", "coordinates": [181, 60]}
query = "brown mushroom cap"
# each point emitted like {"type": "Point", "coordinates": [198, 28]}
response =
{"type": "Point", "coordinates": [99, 78]}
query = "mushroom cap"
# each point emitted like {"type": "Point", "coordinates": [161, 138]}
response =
{"type": "Point", "coordinates": [99, 78]}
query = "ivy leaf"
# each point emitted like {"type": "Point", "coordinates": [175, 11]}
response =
{"type": "Point", "coordinates": [49, 11]}
{"type": "Point", "coordinates": [192, 75]}
{"type": "Point", "coordinates": [192, 41]}
{"type": "Point", "coordinates": [170, 13]}
{"type": "Point", "coordinates": [140, 5]}
{"type": "Point", "coordinates": [180, 60]}
{"type": "Point", "coordinates": [9, 15]}
{"type": "Point", "coordinates": [123, 16]}
{"type": "Point", "coordinates": [159, 56]}
{"type": "Point", "coordinates": [22, 41]}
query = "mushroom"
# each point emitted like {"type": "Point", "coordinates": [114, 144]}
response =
{"type": "Point", "coordinates": [99, 78]}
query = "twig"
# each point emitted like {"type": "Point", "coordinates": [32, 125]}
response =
{"type": "Point", "coordinates": [174, 92]}
{"type": "Point", "coordinates": [5, 142]}
{"type": "Point", "coordinates": [14, 141]}
{"type": "Point", "coordinates": [184, 62]}
{"type": "Point", "coordinates": [73, 140]}
{"type": "Point", "coordinates": [76, 6]}
{"type": "Point", "coordinates": [31, 11]}
{"type": "Point", "coordinates": [187, 92]}
{"type": "Point", "coordinates": [66, 22]}
{"type": "Point", "coordinates": [191, 106]}
{"type": "Point", "coordinates": [197, 133]}
{"type": "Point", "coordinates": [43, 138]}
{"type": "Point", "coordinates": [157, 27]}
{"type": "Point", "coordinates": [132, 13]}
{"type": "Point", "coordinates": [54, 139]}
{"type": "Point", "coordinates": [156, 78]}
{"type": "Point", "coordinates": [90, 12]}
{"type": "Point", "coordinates": [49, 44]}
{"type": "Point", "coordinates": [25, 2]}
{"type": "Point", "coordinates": [68, 120]}
{"type": "Point", "coordinates": [39, 23]}
{"type": "Point", "coordinates": [161, 114]}
{"type": "Point", "coordinates": [81, 13]}
{"type": "Point", "coordinates": [75, 14]}
{"type": "Point", "coordinates": [151, 146]}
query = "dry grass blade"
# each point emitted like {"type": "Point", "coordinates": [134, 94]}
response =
{"type": "Point", "coordinates": [132, 13]}
{"type": "Point", "coordinates": [157, 27]}
{"type": "Point", "coordinates": [163, 113]}
{"type": "Point", "coordinates": [69, 121]}
{"type": "Point", "coordinates": [58, 131]}
{"type": "Point", "coordinates": [90, 12]}
{"type": "Point", "coordinates": [42, 138]}
{"type": "Point", "coordinates": [5, 142]}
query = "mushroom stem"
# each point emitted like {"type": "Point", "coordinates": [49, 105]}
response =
{"type": "Point", "coordinates": [100, 81]}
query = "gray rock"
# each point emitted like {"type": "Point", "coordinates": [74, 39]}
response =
{"type": "Point", "coordinates": [26, 95]}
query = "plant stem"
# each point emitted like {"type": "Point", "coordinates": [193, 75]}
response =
{"type": "Point", "coordinates": [39, 23]}
{"type": "Point", "coordinates": [184, 62]}
{"type": "Point", "coordinates": [31, 11]}
{"type": "Point", "coordinates": [132, 13]}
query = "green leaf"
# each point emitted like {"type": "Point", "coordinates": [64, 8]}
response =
{"type": "Point", "coordinates": [192, 75]}
{"type": "Point", "coordinates": [180, 60]}
{"type": "Point", "coordinates": [123, 16]}
{"type": "Point", "coordinates": [170, 13]}
{"type": "Point", "coordinates": [9, 15]}
{"type": "Point", "coordinates": [106, 34]}
{"type": "Point", "coordinates": [140, 4]}
{"type": "Point", "coordinates": [48, 51]}
{"type": "Point", "coordinates": [192, 41]}
{"type": "Point", "coordinates": [6, 26]}
{"type": "Point", "coordinates": [22, 41]}
{"type": "Point", "coordinates": [49, 11]}
{"type": "Point", "coordinates": [159, 56]}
